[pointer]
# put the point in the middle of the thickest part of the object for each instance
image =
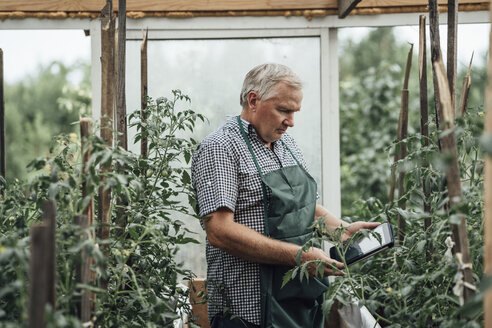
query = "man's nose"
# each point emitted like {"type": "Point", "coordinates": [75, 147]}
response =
{"type": "Point", "coordinates": [289, 121]}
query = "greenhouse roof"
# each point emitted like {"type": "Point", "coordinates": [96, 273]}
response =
{"type": "Point", "coordinates": [197, 8]}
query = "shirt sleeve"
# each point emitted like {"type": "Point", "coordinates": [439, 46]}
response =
{"type": "Point", "coordinates": [215, 178]}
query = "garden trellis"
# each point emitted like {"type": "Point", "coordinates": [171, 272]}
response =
{"type": "Point", "coordinates": [210, 21]}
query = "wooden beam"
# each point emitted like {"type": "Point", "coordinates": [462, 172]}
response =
{"type": "Point", "coordinates": [201, 5]}
{"type": "Point", "coordinates": [346, 6]}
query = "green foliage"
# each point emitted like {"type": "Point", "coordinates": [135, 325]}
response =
{"type": "Point", "coordinates": [371, 79]}
{"type": "Point", "coordinates": [414, 283]}
{"type": "Point", "coordinates": [46, 104]}
{"type": "Point", "coordinates": [136, 270]}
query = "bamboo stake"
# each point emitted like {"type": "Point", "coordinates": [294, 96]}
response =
{"type": "Point", "coordinates": [83, 274]}
{"type": "Point", "coordinates": [49, 215]}
{"type": "Point", "coordinates": [143, 90]}
{"type": "Point", "coordinates": [453, 179]}
{"type": "Point", "coordinates": [465, 89]}
{"type": "Point", "coordinates": [3, 153]}
{"type": "Point", "coordinates": [38, 274]}
{"type": "Point", "coordinates": [487, 195]}
{"type": "Point", "coordinates": [402, 138]}
{"type": "Point", "coordinates": [452, 48]}
{"type": "Point", "coordinates": [107, 107]}
{"type": "Point", "coordinates": [424, 114]}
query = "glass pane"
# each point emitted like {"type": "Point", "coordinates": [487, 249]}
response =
{"type": "Point", "coordinates": [211, 72]}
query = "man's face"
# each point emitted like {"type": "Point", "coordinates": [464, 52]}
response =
{"type": "Point", "coordinates": [273, 116]}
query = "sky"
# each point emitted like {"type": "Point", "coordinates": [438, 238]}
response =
{"type": "Point", "coordinates": [25, 50]}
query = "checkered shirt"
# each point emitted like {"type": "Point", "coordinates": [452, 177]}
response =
{"type": "Point", "coordinates": [224, 175]}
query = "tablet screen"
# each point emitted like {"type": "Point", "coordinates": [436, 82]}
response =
{"type": "Point", "coordinates": [371, 243]}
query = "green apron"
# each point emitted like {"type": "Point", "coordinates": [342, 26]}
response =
{"type": "Point", "coordinates": [288, 213]}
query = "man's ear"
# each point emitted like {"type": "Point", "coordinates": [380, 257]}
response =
{"type": "Point", "coordinates": [253, 99]}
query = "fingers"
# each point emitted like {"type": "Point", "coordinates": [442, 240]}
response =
{"type": "Point", "coordinates": [371, 225]}
{"type": "Point", "coordinates": [331, 266]}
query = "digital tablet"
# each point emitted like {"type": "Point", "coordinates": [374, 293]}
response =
{"type": "Point", "coordinates": [367, 246]}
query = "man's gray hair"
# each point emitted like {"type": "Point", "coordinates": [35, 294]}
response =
{"type": "Point", "coordinates": [263, 78]}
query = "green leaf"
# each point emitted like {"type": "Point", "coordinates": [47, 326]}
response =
{"type": "Point", "coordinates": [186, 177]}
{"type": "Point", "coordinates": [420, 245]}
{"type": "Point", "coordinates": [287, 277]}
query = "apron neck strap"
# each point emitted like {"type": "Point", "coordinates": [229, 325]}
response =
{"type": "Point", "coordinates": [245, 137]}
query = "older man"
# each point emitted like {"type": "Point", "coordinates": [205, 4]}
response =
{"type": "Point", "coordinates": [252, 185]}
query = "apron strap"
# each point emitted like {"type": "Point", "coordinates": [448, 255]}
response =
{"type": "Point", "coordinates": [291, 153]}
{"type": "Point", "coordinates": [263, 187]}
{"type": "Point", "coordinates": [245, 137]}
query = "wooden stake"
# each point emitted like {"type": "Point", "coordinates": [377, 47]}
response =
{"type": "Point", "coordinates": [39, 289]}
{"type": "Point", "coordinates": [143, 90]}
{"type": "Point", "coordinates": [424, 112]}
{"type": "Point", "coordinates": [120, 93]}
{"type": "Point", "coordinates": [85, 132]}
{"type": "Point", "coordinates": [107, 107]}
{"type": "Point", "coordinates": [88, 212]}
{"type": "Point", "coordinates": [402, 138]}
{"type": "Point", "coordinates": [452, 59]}
{"type": "Point", "coordinates": [49, 215]}
{"type": "Point", "coordinates": [435, 53]}
{"type": "Point", "coordinates": [3, 153]}
{"type": "Point", "coordinates": [121, 105]}
{"type": "Point", "coordinates": [487, 194]}
{"type": "Point", "coordinates": [83, 274]}
{"type": "Point", "coordinates": [465, 89]}
{"type": "Point", "coordinates": [448, 142]}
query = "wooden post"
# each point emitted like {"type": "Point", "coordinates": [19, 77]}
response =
{"type": "Point", "coordinates": [107, 108]}
{"type": "Point", "coordinates": [424, 112]}
{"type": "Point", "coordinates": [452, 59]}
{"type": "Point", "coordinates": [487, 194]}
{"type": "Point", "coordinates": [402, 136]}
{"type": "Point", "coordinates": [143, 90]}
{"type": "Point", "coordinates": [465, 89]}
{"type": "Point", "coordinates": [3, 153]}
{"type": "Point", "coordinates": [121, 125]}
{"type": "Point", "coordinates": [83, 273]}
{"type": "Point", "coordinates": [38, 274]}
{"type": "Point", "coordinates": [49, 216]}
{"type": "Point", "coordinates": [453, 179]}
{"type": "Point", "coordinates": [435, 53]}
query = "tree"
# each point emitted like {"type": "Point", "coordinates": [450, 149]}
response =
{"type": "Point", "coordinates": [44, 104]}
